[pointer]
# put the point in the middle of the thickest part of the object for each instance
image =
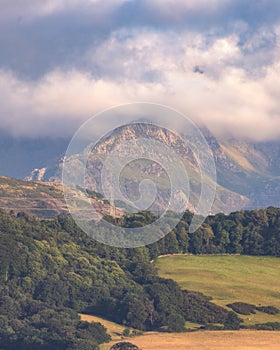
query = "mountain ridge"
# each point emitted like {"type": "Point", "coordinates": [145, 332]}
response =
{"type": "Point", "coordinates": [248, 173]}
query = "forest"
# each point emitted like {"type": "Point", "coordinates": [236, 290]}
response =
{"type": "Point", "coordinates": [51, 271]}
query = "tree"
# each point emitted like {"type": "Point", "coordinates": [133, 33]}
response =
{"type": "Point", "coordinates": [136, 311]}
{"type": "Point", "coordinates": [182, 237]}
{"type": "Point", "coordinates": [124, 346]}
{"type": "Point", "coordinates": [235, 239]}
{"type": "Point", "coordinates": [175, 323]}
{"type": "Point", "coordinates": [126, 332]}
{"type": "Point", "coordinates": [83, 344]}
{"type": "Point", "coordinates": [171, 243]}
{"type": "Point", "coordinates": [232, 321]}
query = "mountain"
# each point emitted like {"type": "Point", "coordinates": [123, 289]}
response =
{"type": "Point", "coordinates": [126, 140]}
{"type": "Point", "coordinates": [248, 173]}
{"type": "Point", "coordinates": [250, 169]}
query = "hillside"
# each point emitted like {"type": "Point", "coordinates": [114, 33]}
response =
{"type": "Point", "coordinates": [43, 199]}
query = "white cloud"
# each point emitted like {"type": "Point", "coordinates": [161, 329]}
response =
{"type": "Point", "coordinates": [234, 88]}
{"type": "Point", "coordinates": [60, 98]}
{"type": "Point", "coordinates": [234, 104]}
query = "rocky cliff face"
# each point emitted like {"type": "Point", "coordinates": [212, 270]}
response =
{"type": "Point", "coordinates": [247, 174]}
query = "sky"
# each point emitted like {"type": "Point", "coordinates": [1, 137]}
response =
{"type": "Point", "coordinates": [216, 61]}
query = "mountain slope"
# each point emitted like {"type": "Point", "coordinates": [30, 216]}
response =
{"type": "Point", "coordinates": [43, 199]}
{"type": "Point", "coordinates": [226, 200]}
{"type": "Point", "coordinates": [248, 174]}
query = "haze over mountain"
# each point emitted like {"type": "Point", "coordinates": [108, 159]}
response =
{"type": "Point", "coordinates": [20, 155]}
{"type": "Point", "coordinates": [248, 173]}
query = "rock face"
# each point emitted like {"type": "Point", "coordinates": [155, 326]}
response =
{"type": "Point", "coordinates": [248, 174]}
{"type": "Point", "coordinates": [38, 174]}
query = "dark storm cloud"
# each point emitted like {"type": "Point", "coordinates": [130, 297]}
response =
{"type": "Point", "coordinates": [37, 38]}
{"type": "Point", "coordinates": [34, 46]}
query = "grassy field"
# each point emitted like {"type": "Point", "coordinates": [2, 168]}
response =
{"type": "Point", "coordinates": [228, 279]}
{"type": "Point", "coordinates": [208, 340]}
{"type": "Point", "coordinates": [114, 329]}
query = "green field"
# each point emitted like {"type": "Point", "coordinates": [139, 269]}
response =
{"type": "Point", "coordinates": [228, 279]}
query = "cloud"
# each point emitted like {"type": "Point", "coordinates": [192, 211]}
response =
{"type": "Point", "coordinates": [41, 36]}
{"type": "Point", "coordinates": [30, 10]}
{"type": "Point", "coordinates": [56, 104]}
{"type": "Point", "coordinates": [217, 61]}
{"type": "Point", "coordinates": [233, 104]}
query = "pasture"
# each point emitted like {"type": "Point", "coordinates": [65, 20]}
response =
{"type": "Point", "coordinates": [228, 279]}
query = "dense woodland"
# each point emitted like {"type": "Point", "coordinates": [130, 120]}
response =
{"type": "Point", "coordinates": [50, 271]}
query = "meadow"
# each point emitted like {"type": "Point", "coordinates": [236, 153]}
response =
{"type": "Point", "coordinates": [209, 340]}
{"type": "Point", "coordinates": [228, 279]}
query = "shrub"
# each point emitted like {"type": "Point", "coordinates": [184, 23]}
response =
{"type": "Point", "coordinates": [124, 346]}
{"type": "Point", "coordinates": [232, 321]}
{"type": "Point", "coordinates": [269, 326]}
{"type": "Point", "coordinates": [243, 308]}
{"type": "Point", "coordinates": [197, 308]}
{"type": "Point", "coordinates": [126, 332]}
{"type": "Point", "coordinates": [175, 323]}
{"type": "Point", "coordinates": [271, 310]}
